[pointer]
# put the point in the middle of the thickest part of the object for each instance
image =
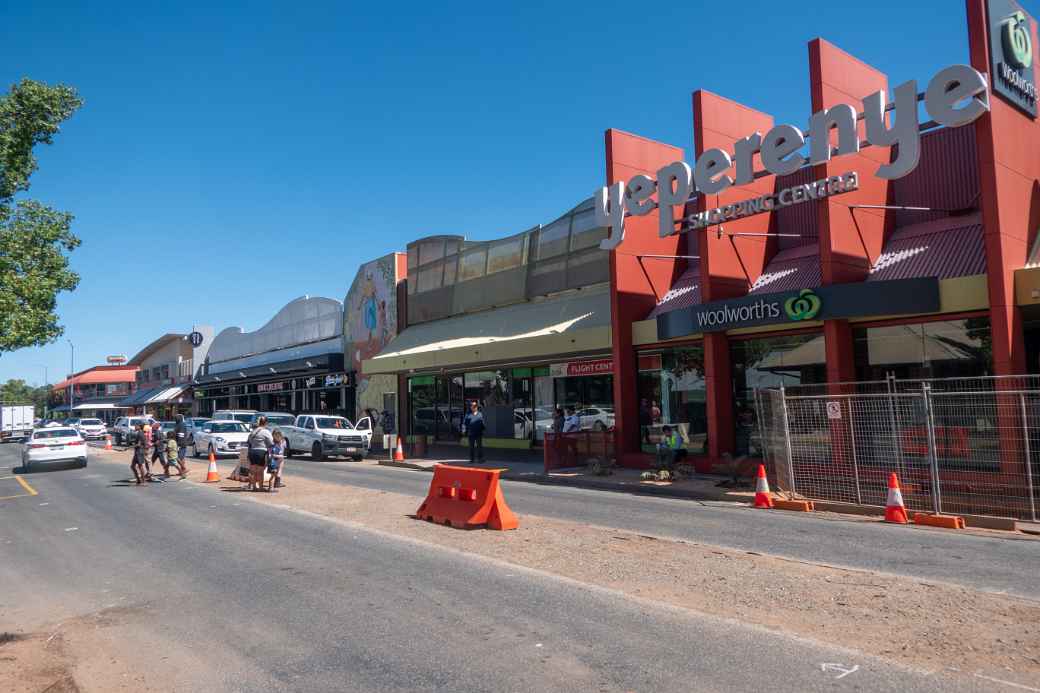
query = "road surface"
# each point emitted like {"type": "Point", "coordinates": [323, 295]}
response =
{"type": "Point", "coordinates": [235, 595]}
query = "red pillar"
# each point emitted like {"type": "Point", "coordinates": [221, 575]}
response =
{"type": "Point", "coordinates": [850, 240]}
{"type": "Point", "coordinates": [632, 294]}
{"type": "Point", "coordinates": [729, 265]}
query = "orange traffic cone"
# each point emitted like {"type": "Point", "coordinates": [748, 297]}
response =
{"type": "Point", "coordinates": [108, 442]}
{"type": "Point", "coordinates": [399, 452]}
{"type": "Point", "coordinates": [212, 475]}
{"type": "Point", "coordinates": [763, 499]}
{"type": "Point", "coordinates": [895, 511]}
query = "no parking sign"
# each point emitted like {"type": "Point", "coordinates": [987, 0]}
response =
{"type": "Point", "coordinates": [833, 410]}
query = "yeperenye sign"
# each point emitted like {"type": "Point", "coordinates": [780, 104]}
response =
{"type": "Point", "coordinates": [862, 299]}
{"type": "Point", "coordinates": [1011, 54]}
{"type": "Point", "coordinates": [956, 96]}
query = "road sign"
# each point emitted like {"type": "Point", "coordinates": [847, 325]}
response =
{"type": "Point", "coordinates": [833, 410]}
{"type": "Point", "coordinates": [196, 339]}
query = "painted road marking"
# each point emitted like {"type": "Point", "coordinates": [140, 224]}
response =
{"type": "Point", "coordinates": [828, 666]}
{"type": "Point", "coordinates": [30, 491]}
{"type": "Point", "coordinates": [73, 529]}
{"type": "Point", "coordinates": [1008, 683]}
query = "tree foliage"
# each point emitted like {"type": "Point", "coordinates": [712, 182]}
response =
{"type": "Point", "coordinates": [20, 392]}
{"type": "Point", "coordinates": [34, 238]}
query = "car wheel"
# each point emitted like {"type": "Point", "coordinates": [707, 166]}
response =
{"type": "Point", "coordinates": [194, 449]}
{"type": "Point", "coordinates": [288, 451]}
{"type": "Point", "coordinates": [357, 458]}
{"type": "Point", "coordinates": [119, 439]}
{"type": "Point", "coordinates": [316, 452]}
{"type": "Point", "coordinates": [600, 426]}
{"type": "Point", "coordinates": [83, 463]}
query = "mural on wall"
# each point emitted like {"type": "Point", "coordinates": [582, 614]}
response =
{"type": "Point", "coordinates": [370, 315]}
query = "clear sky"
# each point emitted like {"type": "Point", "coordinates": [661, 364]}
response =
{"type": "Point", "coordinates": [231, 156]}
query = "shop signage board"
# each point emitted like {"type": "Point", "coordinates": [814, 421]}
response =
{"type": "Point", "coordinates": [862, 299]}
{"type": "Point", "coordinates": [957, 95]}
{"type": "Point", "coordinates": [578, 368]}
{"type": "Point", "coordinates": [270, 387]}
{"type": "Point", "coordinates": [1011, 54]}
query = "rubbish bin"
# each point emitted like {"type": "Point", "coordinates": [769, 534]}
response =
{"type": "Point", "coordinates": [419, 445]}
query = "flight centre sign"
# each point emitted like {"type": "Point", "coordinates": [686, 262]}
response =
{"type": "Point", "coordinates": [860, 299]}
{"type": "Point", "coordinates": [957, 95]}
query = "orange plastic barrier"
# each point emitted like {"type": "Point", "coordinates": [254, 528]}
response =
{"type": "Point", "coordinates": [945, 521]}
{"type": "Point", "coordinates": [467, 498]}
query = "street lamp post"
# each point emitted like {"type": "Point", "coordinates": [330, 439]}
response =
{"type": "Point", "coordinates": [72, 371]}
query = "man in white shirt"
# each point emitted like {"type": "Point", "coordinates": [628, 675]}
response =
{"type": "Point", "coordinates": [571, 423]}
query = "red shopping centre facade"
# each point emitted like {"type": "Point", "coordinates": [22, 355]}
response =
{"type": "Point", "coordinates": [855, 265]}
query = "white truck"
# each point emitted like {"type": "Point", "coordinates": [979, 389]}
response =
{"type": "Point", "coordinates": [325, 436]}
{"type": "Point", "coordinates": [16, 421]}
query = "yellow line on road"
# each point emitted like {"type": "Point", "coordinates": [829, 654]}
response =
{"type": "Point", "coordinates": [30, 491]}
{"type": "Point", "coordinates": [26, 486]}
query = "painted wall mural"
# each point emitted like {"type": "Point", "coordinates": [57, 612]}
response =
{"type": "Point", "coordinates": [370, 321]}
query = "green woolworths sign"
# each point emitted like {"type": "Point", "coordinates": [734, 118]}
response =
{"type": "Point", "coordinates": [862, 299]}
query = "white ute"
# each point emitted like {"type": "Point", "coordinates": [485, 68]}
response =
{"type": "Point", "coordinates": [324, 436]}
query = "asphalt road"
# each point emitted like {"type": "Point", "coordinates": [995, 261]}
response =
{"type": "Point", "coordinates": [236, 595]}
{"type": "Point", "coordinates": [1002, 565]}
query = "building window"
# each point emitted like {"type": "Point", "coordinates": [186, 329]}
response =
{"type": "Point", "coordinates": [472, 264]}
{"type": "Point", "coordinates": [672, 392]}
{"type": "Point", "coordinates": [770, 362]}
{"type": "Point", "coordinates": [940, 349]}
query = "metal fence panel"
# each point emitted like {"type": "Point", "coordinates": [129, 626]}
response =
{"type": "Point", "coordinates": [960, 445]}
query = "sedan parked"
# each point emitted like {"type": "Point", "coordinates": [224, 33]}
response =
{"type": "Point", "coordinates": [220, 438]}
{"type": "Point", "coordinates": [91, 429]}
{"type": "Point", "coordinates": [58, 444]}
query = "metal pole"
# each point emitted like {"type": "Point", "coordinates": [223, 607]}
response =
{"type": "Point", "coordinates": [1029, 457]}
{"type": "Point", "coordinates": [855, 465]}
{"type": "Point", "coordinates": [890, 386]}
{"type": "Point", "coordinates": [933, 457]}
{"type": "Point", "coordinates": [761, 427]}
{"type": "Point", "coordinates": [787, 436]}
{"type": "Point", "coordinates": [72, 372]}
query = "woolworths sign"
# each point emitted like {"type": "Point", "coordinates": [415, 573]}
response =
{"type": "Point", "coordinates": [902, 297]}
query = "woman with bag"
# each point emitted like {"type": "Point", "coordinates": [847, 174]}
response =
{"type": "Point", "coordinates": [259, 443]}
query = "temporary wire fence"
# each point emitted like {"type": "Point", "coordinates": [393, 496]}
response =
{"type": "Point", "coordinates": [578, 449]}
{"type": "Point", "coordinates": [958, 445]}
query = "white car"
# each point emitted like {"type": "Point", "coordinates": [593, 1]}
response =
{"type": "Point", "coordinates": [596, 418]}
{"type": "Point", "coordinates": [326, 436]}
{"type": "Point", "coordinates": [92, 429]}
{"type": "Point", "coordinates": [220, 438]}
{"type": "Point", "coordinates": [58, 444]}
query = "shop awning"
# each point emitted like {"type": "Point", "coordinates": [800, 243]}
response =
{"type": "Point", "coordinates": [793, 268]}
{"type": "Point", "coordinates": [569, 324]}
{"type": "Point", "coordinates": [97, 406]}
{"type": "Point", "coordinates": [155, 395]}
{"type": "Point", "coordinates": [943, 248]}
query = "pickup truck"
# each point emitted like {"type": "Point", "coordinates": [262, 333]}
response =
{"type": "Point", "coordinates": [325, 436]}
{"type": "Point", "coordinates": [16, 421]}
{"type": "Point", "coordinates": [125, 425]}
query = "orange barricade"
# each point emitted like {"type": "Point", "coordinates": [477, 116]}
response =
{"type": "Point", "coordinates": [466, 498]}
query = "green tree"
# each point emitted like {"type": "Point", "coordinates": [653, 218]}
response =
{"type": "Point", "coordinates": [20, 392]}
{"type": "Point", "coordinates": [34, 238]}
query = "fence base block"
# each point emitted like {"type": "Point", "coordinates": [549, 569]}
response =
{"type": "Point", "coordinates": [796, 505]}
{"type": "Point", "coordinates": [945, 521]}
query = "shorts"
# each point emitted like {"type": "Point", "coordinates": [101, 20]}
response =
{"type": "Point", "coordinates": [258, 458]}
{"type": "Point", "coordinates": [182, 454]}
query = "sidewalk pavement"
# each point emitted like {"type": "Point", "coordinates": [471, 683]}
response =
{"type": "Point", "coordinates": [528, 465]}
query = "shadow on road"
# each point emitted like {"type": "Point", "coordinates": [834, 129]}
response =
{"type": "Point", "coordinates": [40, 467]}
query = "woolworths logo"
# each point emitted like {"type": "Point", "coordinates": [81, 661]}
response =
{"type": "Point", "coordinates": [1018, 43]}
{"type": "Point", "coordinates": [804, 306]}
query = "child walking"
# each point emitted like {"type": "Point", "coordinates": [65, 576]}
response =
{"type": "Point", "coordinates": [275, 461]}
{"type": "Point", "coordinates": [172, 456]}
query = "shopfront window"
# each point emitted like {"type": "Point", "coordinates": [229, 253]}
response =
{"type": "Point", "coordinates": [940, 349]}
{"type": "Point", "coordinates": [672, 392]}
{"type": "Point", "coordinates": [422, 391]}
{"type": "Point", "coordinates": [770, 362]}
{"type": "Point", "coordinates": [591, 397]}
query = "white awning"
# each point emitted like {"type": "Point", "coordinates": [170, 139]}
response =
{"type": "Point", "coordinates": [96, 406]}
{"type": "Point", "coordinates": [167, 394]}
{"type": "Point", "coordinates": [568, 324]}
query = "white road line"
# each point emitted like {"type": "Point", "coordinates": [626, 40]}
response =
{"type": "Point", "coordinates": [71, 529]}
{"type": "Point", "coordinates": [1008, 683]}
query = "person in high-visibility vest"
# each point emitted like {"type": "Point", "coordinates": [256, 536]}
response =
{"type": "Point", "coordinates": [670, 450]}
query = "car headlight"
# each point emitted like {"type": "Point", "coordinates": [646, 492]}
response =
{"type": "Point", "coordinates": [219, 440]}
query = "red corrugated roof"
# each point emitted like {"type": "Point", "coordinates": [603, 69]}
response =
{"type": "Point", "coordinates": [685, 292]}
{"type": "Point", "coordinates": [944, 248]}
{"type": "Point", "coordinates": [101, 374]}
{"type": "Point", "coordinates": [794, 268]}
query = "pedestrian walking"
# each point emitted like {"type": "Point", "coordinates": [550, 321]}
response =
{"type": "Point", "coordinates": [259, 442]}
{"type": "Point", "coordinates": [138, 462]}
{"type": "Point", "coordinates": [171, 454]}
{"type": "Point", "coordinates": [275, 460]}
{"type": "Point", "coordinates": [473, 427]}
{"type": "Point", "coordinates": [159, 449]}
{"type": "Point", "coordinates": [146, 449]}
{"type": "Point", "coordinates": [180, 432]}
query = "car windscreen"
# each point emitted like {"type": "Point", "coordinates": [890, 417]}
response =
{"type": "Point", "coordinates": [199, 421]}
{"type": "Point", "coordinates": [229, 427]}
{"type": "Point", "coordinates": [244, 418]}
{"type": "Point", "coordinates": [280, 420]}
{"type": "Point", "coordinates": [55, 433]}
{"type": "Point", "coordinates": [91, 422]}
{"type": "Point", "coordinates": [140, 421]}
{"type": "Point", "coordinates": [331, 422]}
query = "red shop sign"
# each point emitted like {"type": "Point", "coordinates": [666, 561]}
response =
{"type": "Point", "coordinates": [598, 367]}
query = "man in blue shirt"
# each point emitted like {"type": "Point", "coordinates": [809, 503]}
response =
{"type": "Point", "coordinates": [473, 426]}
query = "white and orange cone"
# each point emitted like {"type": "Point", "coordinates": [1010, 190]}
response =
{"type": "Point", "coordinates": [108, 442]}
{"type": "Point", "coordinates": [399, 452]}
{"type": "Point", "coordinates": [212, 475]}
{"type": "Point", "coordinates": [763, 498]}
{"type": "Point", "coordinates": [895, 511]}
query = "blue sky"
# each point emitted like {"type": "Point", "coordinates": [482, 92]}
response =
{"type": "Point", "coordinates": [231, 157]}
